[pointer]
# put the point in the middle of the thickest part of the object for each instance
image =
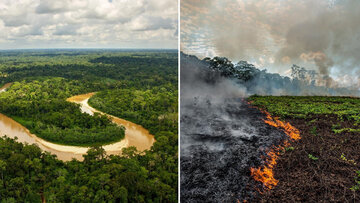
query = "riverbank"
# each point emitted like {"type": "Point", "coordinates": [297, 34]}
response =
{"type": "Point", "coordinates": [134, 133]}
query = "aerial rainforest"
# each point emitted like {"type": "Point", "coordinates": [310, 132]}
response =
{"type": "Point", "coordinates": [139, 86]}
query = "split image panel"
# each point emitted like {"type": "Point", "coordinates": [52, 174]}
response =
{"type": "Point", "coordinates": [269, 101]}
{"type": "Point", "coordinates": [179, 101]}
{"type": "Point", "coordinates": [88, 101]}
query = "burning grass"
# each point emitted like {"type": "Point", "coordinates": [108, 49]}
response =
{"type": "Point", "coordinates": [265, 173]}
{"type": "Point", "coordinates": [219, 143]}
{"type": "Point", "coordinates": [323, 165]}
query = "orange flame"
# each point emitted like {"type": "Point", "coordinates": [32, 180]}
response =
{"type": "Point", "coordinates": [265, 173]}
{"type": "Point", "coordinates": [290, 130]}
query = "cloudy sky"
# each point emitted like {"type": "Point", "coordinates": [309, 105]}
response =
{"type": "Point", "coordinates": [323, 35]}
{"type": "Point", "coordinates": [88, 24]}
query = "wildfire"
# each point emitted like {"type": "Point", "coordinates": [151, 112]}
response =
{"type": "Point", "coordinates": [290, 130]}
{"type": "Point", "coordinates": [265, 173]}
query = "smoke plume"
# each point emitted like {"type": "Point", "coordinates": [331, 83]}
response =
{"type": "Point", "coordinates": [199, 80]}
{"type": "Point", "coordinates": [221, 137]}
{"type": "Point", "coordinates": [322, 35]}
{"type": "Point", "coordinates": [219, 78]}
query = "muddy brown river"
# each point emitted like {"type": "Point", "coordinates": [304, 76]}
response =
{"type": "Point", "coordinates": [135, 135]}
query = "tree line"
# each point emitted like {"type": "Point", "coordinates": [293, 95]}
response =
{"type": "Point", "coordinates": [37, 99]}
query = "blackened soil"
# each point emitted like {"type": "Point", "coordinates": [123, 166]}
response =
{"type": "Point", "coordinates": [219, 145]}
{"type": "Point", "coordinates": [327, 179]}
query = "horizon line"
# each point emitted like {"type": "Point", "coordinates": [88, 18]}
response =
{"type": "Point", "coordinates": [92, 48]}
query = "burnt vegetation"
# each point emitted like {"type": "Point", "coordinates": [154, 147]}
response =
{"type": "Point", "coordinates": [220, 143]}
{"type": "Point", "coordinates": [323, 166]}
{"type": "Point", "coordinates": [222, 137]}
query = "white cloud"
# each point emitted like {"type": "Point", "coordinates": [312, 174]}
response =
{"type": "Point", "coordinates": [88, 23]}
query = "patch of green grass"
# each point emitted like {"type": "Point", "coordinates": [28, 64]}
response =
{"type": "Point", "coordinates": [356, 187]}
{"type": "Point", "coordinates": [314, 131]}
{"type": "Point", "coordinates": [345, 108]}
{"type": "Point", "coordinates": [313, 120]}
{"type": "Point", "coordinates": [336, 126]}
{"type": "Point", "coordinates": [342, 157]}
{"type": "Point", "coordinates": [312, 157]}
{"type": "Point", "coordinates": [351, 130]}
{"type": "Point", "coordinates": [307, 107]}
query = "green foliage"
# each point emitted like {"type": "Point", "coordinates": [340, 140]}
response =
{"type": "Point", "coordinates": [342, 157]}
{"type": "Point", "coordinates": [335, 126]}
{"type": "Point", "coordinates": [356, 187]}
{"type": "Point", "coordinates": [338, 131]}
{"type": "Point", "coordinates": [41, 107]}
{"type": "Point", "coordinates": [304, 107]}
{"type": "Point", "coordinates": [330, 117]}
{"type": "Point", "coordinates": [313, 131]}
{"type": "Point", "coordinates": [314, 158]}
{"type": "Point", "coordinates": [42, 82]}
{"type": "Point", "coordinates": [48, 114]}
{"type": "Point", "coordinates": [97, 69]}
{"type": "Point", "coordinates": [28, 175]}
{"type": "Point", "coordinates": [313, 120]}
{"type": "Point", "coordinates": [155, 108]}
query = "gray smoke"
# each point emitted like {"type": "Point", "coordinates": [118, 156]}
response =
{"type": "Point", "coordinates": [218, 78]}
{"type": "Point", "coordinates": [197, 79]}
{"type": "Point", "coordinates": [323, 35]}
{"type": "Point", "coordinates": [202, 87]}
{"type": "Point", "coordinates": [329, 39]}
{"type": "Point", "coordinates": [221, 137]}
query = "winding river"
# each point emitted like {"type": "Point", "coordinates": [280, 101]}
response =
{"type": "Point", "coordinates": [135, 135]}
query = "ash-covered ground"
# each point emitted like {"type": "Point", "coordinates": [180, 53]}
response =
{"type": "Point", "coordinates": [219, 144]}
{"type": "Point", "coordinates": [221, 137]}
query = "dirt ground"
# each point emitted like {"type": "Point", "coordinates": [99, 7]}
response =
{"type": "Point", "coordinates": [321, 167]}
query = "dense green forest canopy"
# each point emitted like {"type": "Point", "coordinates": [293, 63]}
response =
{"type": "Point", "coordinates": [29, 175]}
{"type": "Point", "coordinates": [155, 108]}
{"type": "Point", "coordinates": [41, 107]}
{"type": "Point", "coordinates": [144, 80]}
{"type": "Point", "coordinates": [20, 65]}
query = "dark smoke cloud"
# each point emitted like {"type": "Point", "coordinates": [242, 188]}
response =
{"type": "Point", "coordinates": [323, 35]}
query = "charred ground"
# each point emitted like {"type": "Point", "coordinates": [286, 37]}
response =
{"type": "Point", "coordinates": [324, 166]}
{"type": "Point", "coordinates": [221, 137]}
{"type": "Point", "coordinates": [219, 145]}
